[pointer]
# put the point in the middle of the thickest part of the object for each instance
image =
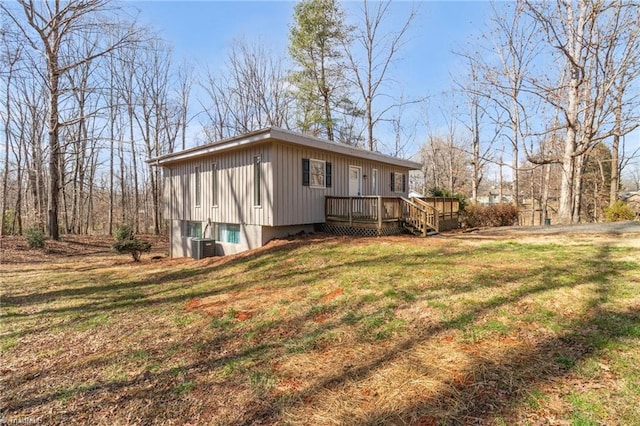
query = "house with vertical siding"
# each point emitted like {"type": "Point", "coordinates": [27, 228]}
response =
{"type": "Point", "coordinates": [247, 190]}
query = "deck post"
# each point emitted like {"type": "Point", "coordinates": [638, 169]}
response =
{"type": "Point", "coordinates": [326, 208]}
{"type": "Point", "coordinates": [424, 223]}
{"type": "Point", "coordinates": [350, 211]}
{"type": "Point", "coordinates": [379, 214]}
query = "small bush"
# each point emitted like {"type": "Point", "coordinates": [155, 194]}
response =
{"type": "Point", "coordinates": [123, 233]}
{"type": "Point", "coordinates": [491, 215]}
{"type": "Point", "coordinates": [618, 212]}
{"type": "Point", "coordinates": [134, 247]}
{"type": "Point", "coordinates": [504, 214]}
{"type": "Point", "coordinates": [35, 237]}
{"type": "Point", "coordinates": [126, 242]}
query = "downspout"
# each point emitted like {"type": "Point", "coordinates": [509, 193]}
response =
{"type": "Point", "coordinates": [204, 232]}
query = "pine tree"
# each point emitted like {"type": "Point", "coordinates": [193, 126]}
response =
{"type": "Point", "coordinates": [315, 45]}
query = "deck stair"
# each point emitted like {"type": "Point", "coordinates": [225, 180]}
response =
{"type": "Point", "coordinates": [419, 218]}
{"type": "Point", "coordinates": [380, 215]}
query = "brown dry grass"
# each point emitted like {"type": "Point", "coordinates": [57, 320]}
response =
{"type": "Point", "coordinates": [326, 330]}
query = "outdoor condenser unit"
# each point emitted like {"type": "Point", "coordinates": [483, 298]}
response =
{"type": "Point", "coordinates": [202, 247]}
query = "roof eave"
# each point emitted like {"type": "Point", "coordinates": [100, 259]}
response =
{"type": "Point", "coordinates": [274, 133]}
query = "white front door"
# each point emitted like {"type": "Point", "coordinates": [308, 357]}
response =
{"type": "Point", "coordinates": [355, 181]}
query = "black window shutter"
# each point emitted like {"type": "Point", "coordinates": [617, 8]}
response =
{"type": "Point", "coordinates": [305, 172]}
{"type": "Point", "coordinates": [404, 183]}
{"type": "Point", "coordinates": [393, 181]}
{"type": "Point", "coordinates": [327, 177]}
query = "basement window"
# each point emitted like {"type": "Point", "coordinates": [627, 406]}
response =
{"type": "Point", "coordinates": [229, 233]}
{"type": "Point", "coordinates": [191, 229]}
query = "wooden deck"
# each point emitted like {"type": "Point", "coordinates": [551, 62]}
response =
{"type": "Point", "coordinates": [418, 215]}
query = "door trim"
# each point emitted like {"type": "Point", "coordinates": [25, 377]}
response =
{"type": "Point", "coordinates": [359, 181]}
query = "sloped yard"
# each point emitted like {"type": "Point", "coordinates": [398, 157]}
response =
{"type": "Point", "coordinates": [325, 330]}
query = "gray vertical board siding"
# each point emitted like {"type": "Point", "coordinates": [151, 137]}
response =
{"type": "Point", "coordinates": [235, 188]}
{"type": "Point", "coordinates": [166, 193]}
{"type": "Point", "coordinates": [295, 204]}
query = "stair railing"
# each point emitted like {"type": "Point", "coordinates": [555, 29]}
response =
{"type": "Point", "coordinates": [416, 216]}
{"type": "Point", "coordinates": [433, 214]}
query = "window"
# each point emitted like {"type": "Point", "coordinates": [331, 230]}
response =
{"type": "Point", "coordinates": [191, 229]}
{"type": "Point", "coordinates": [214, 184]}
{"type": "Point", "coordinates": [197, 185]}
{"type": "Point", "coordinates": [398, 182]}
{"type": "Point", "coordinates": [257, 181]}
{"type": "Point", "coordinates": [229, 233]}
{"type": "Point", "coordinates": [374, 182]}
{"type": "Point", "coordinates": [316, 173]}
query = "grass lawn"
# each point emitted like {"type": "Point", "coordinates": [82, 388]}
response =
{"type": "Point", "coordinates": [327, 330]}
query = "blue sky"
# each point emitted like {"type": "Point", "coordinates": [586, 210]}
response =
{"type": "Point", "coordinates": [202, 31]}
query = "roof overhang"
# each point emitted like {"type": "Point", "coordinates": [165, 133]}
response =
{"type": "Point", "coordinates": [274, 134]}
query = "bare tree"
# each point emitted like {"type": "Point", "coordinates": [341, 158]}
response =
{"type": "Point", "coordinates": [445, 165]}
{"type": "Point", "coordinates": [626, 49]}
{"type": "Point", "coordinates": [157, 117]}
{"type": "Point", "coordinates": [50, 28]}
{"type": "Point", "coordinates": [185, 79]}
{"type": "Point", "coordinates": [249, 93]}
{"type": "Point", "coordinates": [9, 58]}
{"type": "Point", "coordinates": [370, 52]}
{"type": "Point", "coordinates": [581, 36]}
{"type": "Point", "coordinates": [483, 122]}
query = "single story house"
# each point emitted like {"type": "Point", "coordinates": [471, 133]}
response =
{"type": "Point", "coordinates": [246, 190]}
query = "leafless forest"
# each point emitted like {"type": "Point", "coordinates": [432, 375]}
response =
{"type": "Point", "coordinates": [547, 97]}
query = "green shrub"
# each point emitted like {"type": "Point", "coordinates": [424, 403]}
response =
{"type": "Point", "coordinates": [126, 242]}
{"type": "Point", "coordinates": [35, 237]}
{"type": "Point", "coordinates": [491, 215]}
{"type": "Point", "coordinates": [134, 247]}
{"type": "Point", "coordinates": [123, 233]}
{"type": "Point", "coordinates": [437, 192]}
{"type": "Point", "coordinates": [618, 212]}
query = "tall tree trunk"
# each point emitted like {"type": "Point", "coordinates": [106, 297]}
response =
{"type": "Point", "coordinates": [5, 173]}
{"type": "Point", "coordinates": [54, 152]}
{"type": "Point", "coordinates": [134, 165]}
{"type": "Point", "coordinates": [615, 150]}
{"type": "Point", "coordinates": [579, 165]}
{"type": "Point", "coordinates": [565, 207]}
{"type": "Point", "coordinates": [123, 186]}
{"type": "Point", "coordinates": [475, 182]}
{"type": "Point", "coordinates": [533, 198]}
{"type": "Point", "coordinates": [111, 167]}
{"type": "Point", "coordinates": [545, 193]}
{"type": "Point", "coordinates": [372, 145]}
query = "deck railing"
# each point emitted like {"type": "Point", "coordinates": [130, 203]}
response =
{"type": "Point", "coordinates": [362, 209]}
{"type": "Point", "coordinates": [421, 214]}
{"type": "Point", "coordinates": [448, 207]}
